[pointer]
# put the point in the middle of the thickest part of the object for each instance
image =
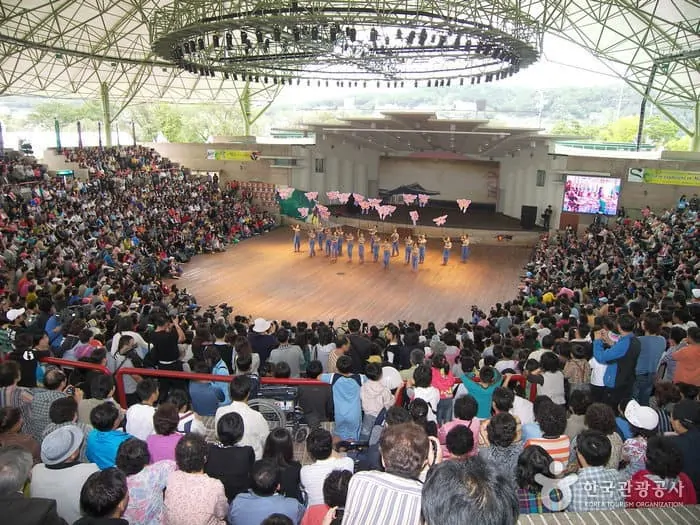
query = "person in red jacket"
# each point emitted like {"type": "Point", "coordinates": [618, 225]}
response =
{"type": "Point", "coordinates": [661, 483]}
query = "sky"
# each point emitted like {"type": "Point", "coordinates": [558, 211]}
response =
{"type": "Point", "coordinates": [562, 64]}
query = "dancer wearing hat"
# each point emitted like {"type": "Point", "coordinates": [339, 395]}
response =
{"type": "Point", "coordinates": [60, 476]}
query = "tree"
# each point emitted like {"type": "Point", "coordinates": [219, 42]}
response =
{"type": "Point", "coordinates": [659, 130]}
{"type": "Point", "coordinates": [621, 130]}
{"type": "Point", "coordinates": [678, 144]}
{"type": "Point", "coordinates": [575, 128]}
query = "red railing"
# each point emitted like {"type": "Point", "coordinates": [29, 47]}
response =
{"type": "Point", "coordinates": [68, 363]}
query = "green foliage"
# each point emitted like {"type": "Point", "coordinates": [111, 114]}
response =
{"type": "Point", "coordinates": [575, 128]}
{"type": "Point", "coordinates": [678, 144]}
{"type": "Point", "coordinates": [659, 130]}
{"type": "Point", "coordinates": [620, 130]}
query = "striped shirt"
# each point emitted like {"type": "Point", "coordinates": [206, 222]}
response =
{"type": "Point", "coordinates": [558, 448]}
{"type": "Point", "coordinates": [380, 498]}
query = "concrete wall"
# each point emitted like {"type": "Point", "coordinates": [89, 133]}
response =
{"type": "Point", "coordinates": [454, 179]}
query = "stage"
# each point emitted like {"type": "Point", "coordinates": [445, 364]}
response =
{"type": "Point", "coordinates": [263, 277]}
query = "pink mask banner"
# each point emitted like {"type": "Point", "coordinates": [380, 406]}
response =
{"type": "Point", "coordinates": [414, 216]}
{"type": "Point", "coordinates": [311, 195]}
{"type": "Point", "coordinates": [285, 193]}
{"type": "Point", "coordinates": [303, 212]}
{"type": "Point", "coordinates": [463, 204]}
{"type": "Point", "coordinates": [440, 221]}
{"type": "Point", "coordinates": [409, 198]}
{"type": "Point", "coordinates": [423, 200]}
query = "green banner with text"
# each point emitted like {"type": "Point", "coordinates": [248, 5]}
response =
{"type": "Point", "coordinates": [659, 176]}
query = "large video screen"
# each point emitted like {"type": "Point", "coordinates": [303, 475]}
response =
{"type": "Point", "coordinates": [595, 195]}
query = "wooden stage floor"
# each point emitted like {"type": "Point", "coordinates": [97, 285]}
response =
{"type": "Point", "coordinates": [263, 277]}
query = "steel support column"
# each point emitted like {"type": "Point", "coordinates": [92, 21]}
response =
{"type": "Point", "coordinates": [107, 115]}
{"type": "Point", "coordinates": [695, 139]}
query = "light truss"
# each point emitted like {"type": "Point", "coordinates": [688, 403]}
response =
{"type": "Point", "coordinates": [68, 48]}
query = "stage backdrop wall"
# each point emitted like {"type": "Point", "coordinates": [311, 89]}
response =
{"type": "Point", "coordinates": [454, 179]}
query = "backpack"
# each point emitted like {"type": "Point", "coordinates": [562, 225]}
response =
{"type": "Point", "coordinates": [68, 342]}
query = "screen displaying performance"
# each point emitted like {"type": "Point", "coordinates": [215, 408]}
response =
{"type": "Point", "coordinates": [594, 195]}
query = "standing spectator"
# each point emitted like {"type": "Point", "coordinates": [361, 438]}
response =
{"type": "Point", "coordinates": [597, 487]}
{"type": "Point", "coordinates": [255, 427]}
{"type": "Point", "coordinates": [423, 389]}
{"type": "Point", "coordinates": [279, 446]}
{"type": "Point", "coordinates": [579, 402]}
{"type": "Point", "coordinates": [375, 397]}
{"type": "Point", "coordinates": [103, 442]}
{"type": "Point", "coordinates": [104, 498]}
{"type": "Point", "coordinates": [260, 340]}
{"type": "Point", "coordinates": [667, 365]}
{"type": "Point", "coordinates": [346, 387]}
{"type": "Point", "coordinates": [443, 381]}
{"type": "Point", "coordinates": [139, 417]}
{"type": "Point", "coordinates": [29, 349]}
{"type": "Point", "coordinates": [288, 353]}
{"type": "Point", "coordinates": [217, 367]}
{"type": "Point", "coordinates": [319, 444]}
{"type": "Point", "coordinates": [335, 493]}
{"type": "Point", "coordinates": [193, 498]}
{"type": "Point", "coordinates": [226, 460]}
{"type": "Point", "coordinates": [652, 347]}
{"type": "Point", "coordinates": [577, 369]}
{"type": "Point", "coordinates": [102, 390]}
{"type": "Point", "coordinates": [662, 483]}
{"type": "Point", "coordinates": [548, 377]}
{"type": "Point", "coordinates": [60, 476]}
{"type": "Point", "coordinates": [460, 443]}
{"type": "Point", "coordinates": [359, 347]}
{"type": "Point", "coordinates": [686, 423]}
{"type": "Point", "coordinates": [16, 467]}
{"type": "Point", "coordinates": [504, 449]}
{"type": "Point", "coordinates": [251, 508]}
{"type": "Point", "coordinates": [621, 358]}
{"type": "Point", "coordinates": [161, 445]}
{"type": "Point", "coordinates": [165, 353]}
{"type": "Point", "coordinates": [316, 400]}
{"type": "Point", "coordinates": [688, 360]}
{"type": "Point", "coordinates": [11, 423]}
{"type": "Point", "coordinates": [404, 452]}
{"type": "Point", "coordinates": [468, 492]}
{"type": "Point", "coordinates": [225, 349]}
{"type": "Point", "coordinates": [146, 482]}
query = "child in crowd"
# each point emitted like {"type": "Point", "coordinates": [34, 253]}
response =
{"type": "Point", "coordinates": [577, 369]}
{"type": "Point", "coordinates": [315, 400]}
{"type": "Point", "coordinates": [346, 399]}
{"type": "Point", "coordinates": [460, 443]}
{"type": "Point", "coordinates": [375, 354]}
{"type": "Point", "coordinates": [139, 417]}
{"type": "Point", "coordinates": [444, 381]}
{"type": "Point", "coordinates": [548, 377]}
{"type": "Point", "coordinates": [643, 423]}
{"type": "Point", "coordinates": [482, 390]}
{"type": "Point", "coordinates": [375, 397]}
{"type": "Point", "coordinates": [465, 409]}
{"type": "Point", "coordinates": [422, 379]}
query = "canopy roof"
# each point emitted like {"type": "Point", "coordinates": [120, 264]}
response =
{"type": "Point", "coordinates": [68, 48]}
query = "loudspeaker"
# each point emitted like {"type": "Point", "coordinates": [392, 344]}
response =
{"type": "Point", "coordinates": [528, 217]}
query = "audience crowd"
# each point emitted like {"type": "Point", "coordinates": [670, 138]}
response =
{"type": "Point", "coordinates": [580, 394]}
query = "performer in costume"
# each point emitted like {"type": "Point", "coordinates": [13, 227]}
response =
{"type": "Point", "coordinates": [409, 249]}
{"type": "Point", "coordinates": [341, 238]}
{"type": "Point", "coordinates": [297, 238]}
{"type": "Point", "coordinates": [334, 247]}
{"type": "Point", "coordinates": [372, 233]}
{"type": "Point", "coordinates": [350, 239]}
{"type": "Point", "coordinates": [386, 247]}
{"type": "Point", "coordinates": [321, 238]}
{"type": "Point", "coordinates": [446, 250]}
{"type": "Point", "coordinates": [312, 243]}
{"type": "Point", "coordinates": [415, 257]}
{"type": "Point", "coordinates": [395, 243]}
{"type": "Point", "coordinates": [422, 243]}
{"type": "Point", "coordinates": [465, 248]}
{"type": "Point", "coordinates": [361, 246]}
{"type": "Point", "coordinates": [328, 235]}
{"type": "Point", "coordinates": [375, 247]}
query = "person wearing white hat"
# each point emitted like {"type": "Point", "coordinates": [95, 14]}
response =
{"type": "Point", "coordinates": [61, 476]}
{"type": "Point", "coordinates": [260, 340]}
{"type": "Point", "coordinates": [644, 422]}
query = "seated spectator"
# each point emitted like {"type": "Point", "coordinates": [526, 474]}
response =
{"type": "Point", "coordinates": [281, 370]}
{"type": "Point", "coordinates": [15, 470]}
{"type": "Point", "coordinates": [539, 407]}
{"type": "Point", "coordinates": [217, 366]}
{"type": "Point", "coordinates": [662, 483]}
{"type": "Point", "coordinates": [193, 497]}
{"type": "Point", "coordinates": [420, 411]}
{"type": "Point", "coordinates": [464, 414]}
{"type": "Point", "coordinates": [161, 445]}
{"type": "Point", "coordinates": [206, 396]}
{"type": "Point", "coordinates": [255, 428]}
{"type": "Point", "coordinates": [64, 412]}
{"type": "Point", "coordinates": [12, 395]}
{"type": "Point", "coordinates": [263, 499]}
{"type": "Point", "coordinates": [502, 402]}
{"type": "Point", "coordinates": [579, 402]}
{"type": "Point", "coordinates": [548, 377]}
{"type": "Point", "coordinates": [468, 492]}
{"type": "Point", "coordinates": [533, 461]}
{"type": "Point", "coordinates": [371, 459]}
{"type": "Point", "coordinates": [482, 390]}
{"type": "Point", "coordinates": [335, 492]}
{"type": "Point", "coordinates": [460, 442]}
{"type": "Point", "coordinates": [226, 460]}
{"type": "Point", "coordinates": [189, 421]}
{"type": "Point", "coordinates": [315, 400]}
{"type": "Point", "coordinates": [685, 420]}
{"type": "Point", "coordinates": [345, 386]}
{"type": "Point", "coordinates": [423, 389]}
{"type": "Point", "coordinates": [622, 426]}
{"type": "Point", "coordinates": [375, 397]}
{"type": "Point", "coordinates": [279, 446]}
{"type": "Point", "coordinates": [643, 423]}
{"type": "Point", "coordinates": [103, 442]}
{"type": "Point", "coordinates": [601, 417]}
{"type": "Point", "coordinates": [60, 476]}
{"type": "Point", "coordinates": [319, 445]}
{"type": "Point", "coordinates": [577, 370]}
{"type": "Point", "coordinates": [139, 416]}
{"type": "Point", "coordinates": [246, 366]}
{"type": "Point", "coordinates": [146, 482]}
{"type": "Point", "coordinates": [54, 385]}
{"type": "Point", "coordinates": [553, 440]}
{"type": "Point", "coordinates": [597, 486]}
{"type": "Point", "coordinates": [11, 433]}
{"type": "Point", "coordinates": [666, 395]}
{"type": "Point", "coordinates": [504, 449]}
{"type": "Point", "coordinates": [104, 498]}
{"type": "Point", "coordinates": [404, 452]}
{"type": "Point", "coordinates": [288, 353]}
{"type": "Point", "coordinates": [101, 390]}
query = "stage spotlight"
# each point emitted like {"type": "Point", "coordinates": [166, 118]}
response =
{"type": "Point", "coordinates": [215, 40]}
{"type": "Point", "coordinates": [399, 35]}
{"type": "Point", "coordinates": [373, 35]}
{"type": "Point", "coordinates": [296, 33]}
{"type": "Point", "coordinates": [428, 83]}
{"type": "Point", "coordinates": [229, 41]}
{"type": "Point", "coordinates": [187, 48]}
{"type": "Point", "coordinates": [442, 40]}
{"type": "Point", "coordinates": [226, 75]}
{"type": "Point", "coordinates": [201, 44]}
{"type": "Point", "coordinates": [415, 83]}
{"type": "Point", "coordinates": [244, 37]}
{"type": "Point", "coordinates": [235, 77]}
{"type": "Point", "coordinates": [259, 36]}
{"type": "Point", "coordinates": [411, 37]}
{"type": "Point", "coordinates": [266, 45]}
{"type": "Point", "coordinates": [193, 47]}
{"type": "Point", "coordinates": [314, 33]}
{"type": "Point", "coordinates": [423, 37]}
{"type": "Point", "coordinates": [432, 38]}
{"type": "Point", "coordinates": [276, 33]}
{"type": "Point", "coordinates": [353, 34]}
{"type": "Point", "coordinates": [458, 41]}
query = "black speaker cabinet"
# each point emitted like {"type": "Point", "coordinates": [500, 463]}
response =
{"type": "Point", "coordinates": [528, 217]}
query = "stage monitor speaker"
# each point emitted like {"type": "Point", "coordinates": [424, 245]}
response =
{"type": "Point", "coordinates": [528, 217]}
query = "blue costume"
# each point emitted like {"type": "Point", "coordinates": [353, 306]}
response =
{"type": "Point", "coordinates": [340, 245]}
{"type": "Point", "coordinates": [446, 253]}
{"type": "Point", "coordinates": [375, 251]}
{"type": "Point", "coordinates": [361, 252]}
{"type": "Point", "coordinates": [297, 241]}
{"type": "Point", "coordinates": [465, 251]}
{"type": "Point", "coordinates": [334, 248]}
{"type": "Point", "coordinates": [328, 246]}
{"type": "Point", "coordinates": [312, 246]}
{"type": "Point", "coordinates": [350, 245]}
{"type": "Point", "coordinates": [414, 261]}
{"type": "Point", "coordinates": [421, 252]}
{"type": "Point", "coordinates": [387, 257]}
